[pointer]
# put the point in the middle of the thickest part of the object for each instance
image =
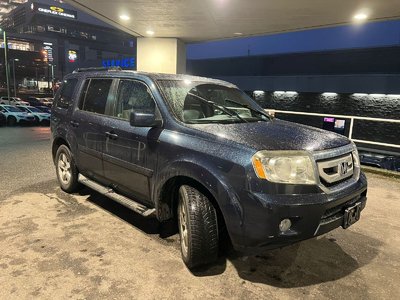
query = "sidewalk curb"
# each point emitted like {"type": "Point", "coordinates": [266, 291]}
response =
{"type": "Point", "coordinates": [384, 172]}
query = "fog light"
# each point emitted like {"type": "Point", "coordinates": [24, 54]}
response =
{"type": "Point", "coordinates": [285, 225]}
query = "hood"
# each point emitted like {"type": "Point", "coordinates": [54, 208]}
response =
{"type": "Point", "coordinates": [275, 135]}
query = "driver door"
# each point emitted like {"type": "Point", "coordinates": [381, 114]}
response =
{"type": "Point", "coordinates": [129, 153]}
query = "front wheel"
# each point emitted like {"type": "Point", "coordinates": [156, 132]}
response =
{"type": "Point", "coordinates": [198, 227]}
{"type": "Point", "coordinates": [67, 173]}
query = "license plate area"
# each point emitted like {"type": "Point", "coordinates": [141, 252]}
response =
{"type": "Point", "coordinates": [351, 215]}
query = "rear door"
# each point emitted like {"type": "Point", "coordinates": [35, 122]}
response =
{"type": "Point", "coordinates": [130, 152]}
{"type": "Point", "coordinates": [88, 122]}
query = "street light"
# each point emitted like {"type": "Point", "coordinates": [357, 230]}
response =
{"type": "Point", "coordinates": [6, 63]}
{"type": "Point", "coordinates": [15, 83]}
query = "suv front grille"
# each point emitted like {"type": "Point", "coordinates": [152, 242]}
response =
{"type": "Point", "coordinates": [337, 168]}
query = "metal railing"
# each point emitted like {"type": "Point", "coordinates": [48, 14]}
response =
{"type": "Point", "coordinates": [352, 118]}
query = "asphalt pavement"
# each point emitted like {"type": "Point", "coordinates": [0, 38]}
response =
{"type": "Point", "coordinates": [25, 158]}
{"type": "Point", "coordinates": [83, 246]}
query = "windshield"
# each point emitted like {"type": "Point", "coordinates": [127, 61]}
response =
{"type": "Point", "coordinates": [12, 109]}
{"type": "Point", "coordinates": [198, 102]}
{"type": "Point", "coordinates": [35, 110]}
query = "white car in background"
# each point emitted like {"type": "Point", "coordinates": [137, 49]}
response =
{"type": "Point", "coordinates": [46, 101]}
{"type": "Point", "coordinates": [41, 117]}
{"type": "Point", "coordinates": [16, 116]}
{"type": "Point", "coordinates": [13, 101]}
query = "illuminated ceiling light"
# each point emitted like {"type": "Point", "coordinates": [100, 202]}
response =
{"type": "Point", "coordinates": [124, 17]}
{"type": "Point", "coordinates": [377, 95]}
{"type": "Point", "coordinates": [258, 93]}
{"type": "Point", "coordinates": [329, 94]}
{"type": "Point", "coordinates": [150, 32]}
{"type": "Point", "coordinates": [360, 17]}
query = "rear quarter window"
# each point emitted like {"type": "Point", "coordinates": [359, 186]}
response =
{"type": "Point", "coordinates": [95, 95]}
{"type": "Point", "coordinates": [64, 97]}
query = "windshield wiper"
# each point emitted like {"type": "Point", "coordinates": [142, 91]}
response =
{"type": "Point", "coordinates": [230, 112]}
{"type": "Point", "coordinates": [249, 107]}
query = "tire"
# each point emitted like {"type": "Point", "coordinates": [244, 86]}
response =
{"type": "Point", "coordinates": [67, 172]}
{"type": "Point", "coordinates": [11, 121]}
{"type": "Point", "coordinates": [198, 228]}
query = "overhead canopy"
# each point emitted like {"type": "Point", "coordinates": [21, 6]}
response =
{"type": "Point", "coordinates": [203, 20]}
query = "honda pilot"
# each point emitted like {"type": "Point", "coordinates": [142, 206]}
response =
{"type": "Point", "coordinates": [201, 154]}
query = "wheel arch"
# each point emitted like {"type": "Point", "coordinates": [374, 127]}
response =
{"type": "Point", "coordinates": [57, 142]}
{"type": "Point", "coordinates": [229, 210]}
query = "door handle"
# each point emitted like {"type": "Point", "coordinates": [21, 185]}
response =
{"type": "Point", "coordinates": [74, 124]}
{"type": "Point", "coordinates": [111, 135]}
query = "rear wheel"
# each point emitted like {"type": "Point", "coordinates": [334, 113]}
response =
{"type": "Point", "coordinates": [198, 227]}
{"type": "Point", "coordinates": [67, 173]}
{"type": "Point", "coordinates": [11, 121]}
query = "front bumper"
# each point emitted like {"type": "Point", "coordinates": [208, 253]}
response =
{"type": "Point", "coordinates": [311, 215]}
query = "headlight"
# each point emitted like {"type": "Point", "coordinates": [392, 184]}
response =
{"type": "Point", "coordinates": [284, 167]}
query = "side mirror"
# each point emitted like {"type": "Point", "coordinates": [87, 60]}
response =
{"type": "Point", "coordinates": [141, 119]}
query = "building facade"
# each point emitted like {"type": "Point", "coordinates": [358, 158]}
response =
{"type": "Point", "coordinates": [59, 40]}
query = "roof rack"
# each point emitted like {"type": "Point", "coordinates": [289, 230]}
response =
{"type": "Point", "coordinates": [94, 69]}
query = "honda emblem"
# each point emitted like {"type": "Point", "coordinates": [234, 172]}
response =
{"type": "Point", "coordinates": [343, 168]}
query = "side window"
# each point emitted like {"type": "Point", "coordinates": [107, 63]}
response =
{"type": "Point", "coordinates": [64, 98]}
{"type": "Point", "coordinates": [133, 95]}
{"type": "Point", "coordinates": [96, 96]}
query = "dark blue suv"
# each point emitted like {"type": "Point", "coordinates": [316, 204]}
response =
{"type": "Point", "coordinates": [201, 153]}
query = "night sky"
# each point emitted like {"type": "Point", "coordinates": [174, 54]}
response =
{"type": "Point", "coordinates": [375, 34]}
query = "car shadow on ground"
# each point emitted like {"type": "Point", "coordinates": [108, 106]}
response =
{"type": "Point", "coordinates": [166, 233]}
{"type": "Point", "coordinates": [310, 262]}
{"type": "Point", "coordinates": [148, 225]}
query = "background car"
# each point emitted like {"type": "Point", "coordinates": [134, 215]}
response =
{"type": "Point", "coordinates": [3, 119]}
{"type": "Point", "coordinates": [13, 101]}
{"type": "Point", "coordinates": [377, 160]}
{"type": "Point", "coordinates": [41, 117]}
{"type": "Point", "coordinates": [46, 101]}
{"type": "Point", "coordinates": [34, 101]}
{"type": "Point", "coordinates": [45, 109]}
{"type": "Point", "coordinates": [16, 116]}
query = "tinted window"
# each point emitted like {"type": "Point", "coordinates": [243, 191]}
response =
{"type": "Point", "coordinates": [96, 95]}
{"type": "Point", "coordinates": [64, 98]}
{"type": "Point", "coordinates": [133, 95]}
{"type": "Point", "coordinates": [23, 108]}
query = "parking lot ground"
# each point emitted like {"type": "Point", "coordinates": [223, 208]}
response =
{"type": "Point", "coordinates": [83, 246]}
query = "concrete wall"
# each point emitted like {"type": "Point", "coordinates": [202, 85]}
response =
{"type": "Point", "coordinates": [161, 55]}
{"type": "Point", "coordinates": [374, 70]}
{"type": "Point", "coordinates": [354, 83]}
{"type": "Point", "coordinates": [374, 106]}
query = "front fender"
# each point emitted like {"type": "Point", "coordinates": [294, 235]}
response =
{"type": "Point", "coordinates": [225, 196]}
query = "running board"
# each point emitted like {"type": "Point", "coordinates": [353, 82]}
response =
{"type": "Point", "coordinates": [110, 193]}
